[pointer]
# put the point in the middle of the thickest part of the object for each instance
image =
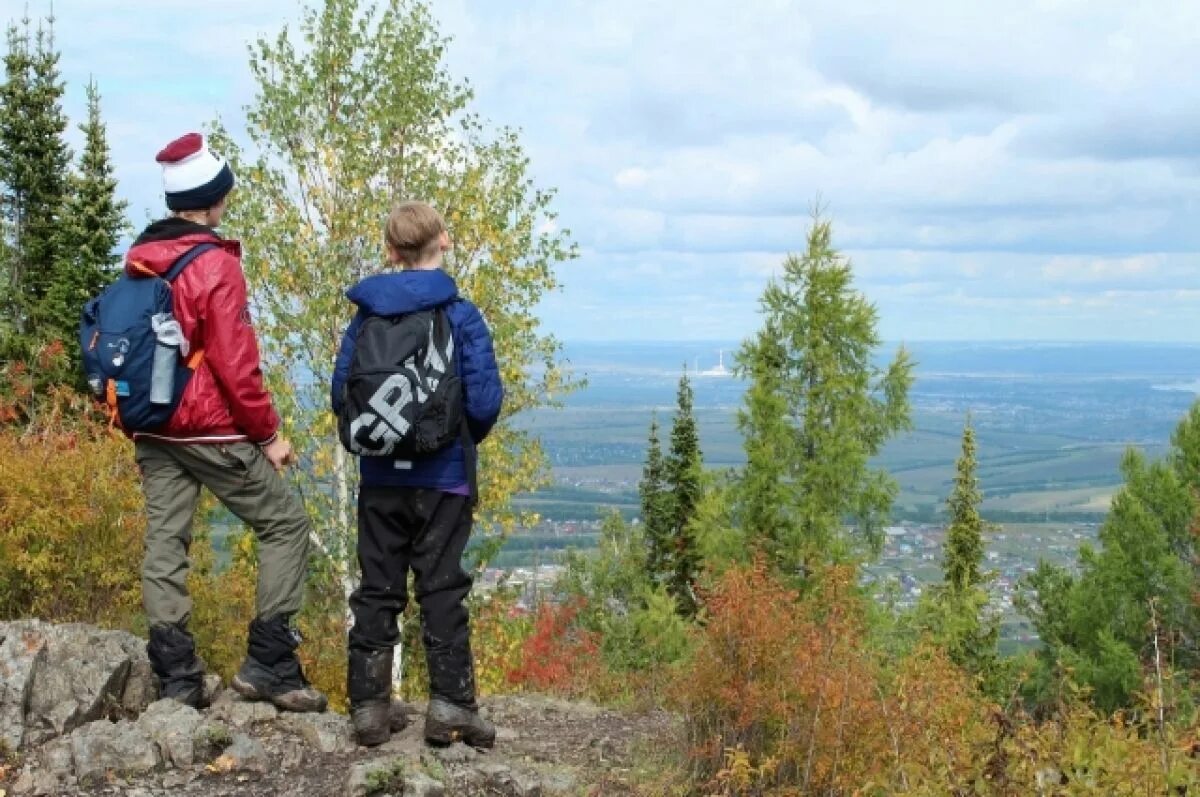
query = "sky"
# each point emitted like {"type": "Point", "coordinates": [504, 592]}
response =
{"type": "Point", "coordinates": [1017, 170]}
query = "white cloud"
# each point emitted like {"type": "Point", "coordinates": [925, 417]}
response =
{"type": "Point", "coordinates": [995, 169]}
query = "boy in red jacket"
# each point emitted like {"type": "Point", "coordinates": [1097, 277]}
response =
{"type": "Point", "coordinates": [223, 436]}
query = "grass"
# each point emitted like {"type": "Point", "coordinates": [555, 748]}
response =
{"type": "Point", "coordinates": [388, 777]}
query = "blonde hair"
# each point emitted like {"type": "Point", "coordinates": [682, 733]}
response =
{"type": "Point", "coordinates": [413, 229]}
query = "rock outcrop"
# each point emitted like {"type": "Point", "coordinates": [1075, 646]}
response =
{"type": "Point", "coordinates": [78, 715]}
{"type": "Point", "coordinates": [56, 678]}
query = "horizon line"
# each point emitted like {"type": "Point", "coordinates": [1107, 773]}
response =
{"type": "Point", "coordinates": [888, 342]}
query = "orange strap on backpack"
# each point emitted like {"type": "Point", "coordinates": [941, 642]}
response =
{"type": "Point", "coordinates": [110, 401]}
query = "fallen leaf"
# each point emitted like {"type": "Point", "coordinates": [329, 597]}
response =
{"type": "Point", "coordinates": [223, 764]}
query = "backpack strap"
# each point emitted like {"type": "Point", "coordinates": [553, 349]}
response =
{"type": "Point", "coordinates": [185, 260]}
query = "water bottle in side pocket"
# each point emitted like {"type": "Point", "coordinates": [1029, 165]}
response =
{"type": "Point", "coordinates": [171, 345]}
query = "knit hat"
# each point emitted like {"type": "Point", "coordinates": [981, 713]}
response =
{"type": "Point", "coordinates": [194, 177]}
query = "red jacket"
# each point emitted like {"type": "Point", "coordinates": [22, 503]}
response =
{"type": "Point", "coordinates": [225, 400]}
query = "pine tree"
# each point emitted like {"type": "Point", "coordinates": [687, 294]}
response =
{"type": "Point", "coordinates": [684, 473]}
{"type": "Point", "coordinates": [33, 173]}
{"type": "Point", "coordinates": [656, 509]}
{"type": "Point", "coordinates": [14, 133]}
{"type": "Point", "coordinates": [960, 619]}
{"type": "Point", "coordinates": [762, 493]}
{"type": "Point", "coordinates": [964, 535]}
{"type": "Point", "coordinates": [1099, 624]}
{"type": "Point", "coordinates": [92, 223]}
{"type": "Point", "coordinates": [817, 410]}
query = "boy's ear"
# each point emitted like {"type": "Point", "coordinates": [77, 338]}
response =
{"type": "Point", "coordinates": [392, 255]}
{"type": "Point", "coordinates": [444, 241]}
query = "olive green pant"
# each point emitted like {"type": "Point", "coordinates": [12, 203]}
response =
{"type": "Point", "coordinates": [242, 478]}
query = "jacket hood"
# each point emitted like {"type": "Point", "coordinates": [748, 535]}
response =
{"type": "Point", "coordinates": [403, 292]}
{"type": "Point", "coordinates": [164, 241]}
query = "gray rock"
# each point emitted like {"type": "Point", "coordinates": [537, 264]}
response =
{"type": "Point", "coordinates": [141, 687]}
{"type": "Point", "coordinates": [53, 773]}
{"type": "Point", "coordinates": [455, 754]}
{"type": "Point", "coordinates": [174, 780]}
{"type": "Point", "coordinates": [139, 791]}
{"type": "Point", "coordinates": [57, 758]}
{"type": "Point", "coordinates": [409, 743]}
{"type": "Point", "coordinates": [505, 780]}
{"type": "Point", "coordinates": [327, 732]}
{"type": "Point", "coordinates": [209, 740]}
{"type": "Point", "coordinates": [292, 755]}
{"type": "Point", "coordinates": [559, 783]}
{"type": "Point", "coordinates": [246, 754]}
{"type": "Point", "coordinates": [21, 650]}
{"type": "Point", "coordinates": [172, 726]}
{"type": "Point", "coordinates": [376, 776]}
{"type": "Point", "coordinates": [80, 674]}
{"type": "Point", "coordinates": [102, 747]}
{"type": "Point", "coordinates": [418, 784]}
{"type": "Point", "coordinates": [25, 783]}
{"type": "Point", "coordinates": [241, 713]}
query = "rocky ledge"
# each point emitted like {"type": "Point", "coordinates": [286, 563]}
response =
{"type": "Point", "coordinates": [79, 715]}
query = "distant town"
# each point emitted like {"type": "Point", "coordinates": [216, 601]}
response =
{"type": "Point", "coordinates": [909, 563]}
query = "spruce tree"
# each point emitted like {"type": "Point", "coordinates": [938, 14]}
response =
{"type": "Point", "coordinates": [817, 410]}
{"type": "Point", "coordinates": [656, 509]}
{"type": "Point", "coordinates": [961, 622]}
{"type": "Point", "coordinates": [33, 173]}
{"type": "Point", "coordinates": [14, 133]}
{"type": "Point", "coordinates": [762, 492]}
{"type": "Point", "coordinates": [1099, 624]}
{"type": "Point", "coordinates": [964, 535]}
{"type": "Point", "coordinates": [684, 472]}
{"type": "Point", "coordinates": [92, 223]}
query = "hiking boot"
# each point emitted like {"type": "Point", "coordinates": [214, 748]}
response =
{"type": "Point", "coordinates": [271, 670]}
{"type": "Point", "coordinates": [184, 691]}
{"type": "Point", "coordinates": [375, 722]}
{"type": "Point", "coordinates": [369, 687]}
{"type": "Point", "coordinates": [172, 654]}
{"type": "Point", "coordinates": [446, 723]}
{"type": "Point", "coordinates": [287, 692]}
{"type": "Point", "coordinates": [372, 723]}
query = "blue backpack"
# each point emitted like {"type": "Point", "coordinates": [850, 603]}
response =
{"type": "Point", "coordinates": [119, 343]}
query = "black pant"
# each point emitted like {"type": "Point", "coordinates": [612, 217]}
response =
{"type": "Point", "coordinates": [427, 530]}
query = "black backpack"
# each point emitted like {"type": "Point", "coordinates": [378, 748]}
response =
{"type": "Point", "coordinates": [403, 396]}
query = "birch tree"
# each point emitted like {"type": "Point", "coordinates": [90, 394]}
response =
{"type": "Point", "coordinates": [355, 110]}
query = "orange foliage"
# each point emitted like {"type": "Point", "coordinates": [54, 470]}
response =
{"type": "Point", "coordinates": [783, 681]}
{"type": "Point", "coordinates": [558, 656]}
{"type": "Point", "coordinates": [70, 509]}
{"type": "Point", "coordinates": [783, 697]}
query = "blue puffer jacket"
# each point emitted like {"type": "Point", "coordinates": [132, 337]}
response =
{"type": "Point", "coordinates": [405, 292]}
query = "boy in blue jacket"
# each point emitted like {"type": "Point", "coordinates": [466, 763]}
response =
{"type": "Point", "coordinates": [419, 513]}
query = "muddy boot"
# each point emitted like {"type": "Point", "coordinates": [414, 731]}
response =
{"type": "Point", "coordinates": [369, 687]}
{"type": "Point", "coordinates": [446, 723]}
{"type": "Point", "coordinates": [172, 654]}
{"type": "Point", "coordinates": [271, 670]}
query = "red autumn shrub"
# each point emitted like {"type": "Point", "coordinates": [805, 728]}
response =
{"type": "Point", "coordinates": [558, 656]}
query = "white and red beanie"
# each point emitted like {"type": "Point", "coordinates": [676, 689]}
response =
{"type": "Point", "coordinates": [194, 177]}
